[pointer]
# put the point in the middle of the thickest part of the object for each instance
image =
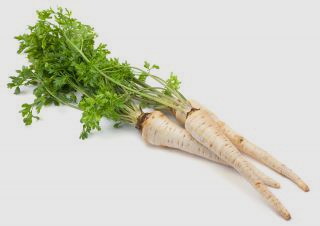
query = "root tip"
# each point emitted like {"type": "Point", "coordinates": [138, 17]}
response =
{"type": "Point", "coordinates": [285, 214]}
{"type": "Point", "coordinates": [304, 186]}
{"type": "Point", "coordinates": [288, 217]}
{"type": "Point", "coordinates": [273, 184]}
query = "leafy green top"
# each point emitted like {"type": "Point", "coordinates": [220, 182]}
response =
{"type": "Point", "coordinates": [65, 62]}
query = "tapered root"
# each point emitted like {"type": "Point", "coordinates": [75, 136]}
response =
{"type": "Point", "coordinates": [254, 151]}
{"type": "Point", "coordinates": [205, 130]}
{"type": "Point", "coordinates": [273, 201]}
{"type": "Point", "coordinates": [265, 158]}
{"type": "Point", "coordinates": [161, 131]}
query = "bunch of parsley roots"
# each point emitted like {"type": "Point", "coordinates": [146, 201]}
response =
{"type": "Point", "coordinates": [67, 67]}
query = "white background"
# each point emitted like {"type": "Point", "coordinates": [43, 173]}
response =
{"type": "Point", "coordinates": [255, 63]}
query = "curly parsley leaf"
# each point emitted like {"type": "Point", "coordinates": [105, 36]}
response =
{"type": "Point", "coordinates": [67, 67]}
{"type": "Point", "coordinates": [172, 84]}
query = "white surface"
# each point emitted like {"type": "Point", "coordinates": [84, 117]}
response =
{"type": "Point", "coordinates": [256, 64]}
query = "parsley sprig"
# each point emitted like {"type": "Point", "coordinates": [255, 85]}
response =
{"type": "Point", "coordinates": [67, 66]}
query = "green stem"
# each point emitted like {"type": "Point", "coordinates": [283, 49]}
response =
{"type": "Point", "coordinates": [59, 99]}
{"type": "Point", "coordinates": [172, 103]}
{"type": "Point", "coordinates": [176, 93]}
{"type": "Point", "coordinates": [78, 88]}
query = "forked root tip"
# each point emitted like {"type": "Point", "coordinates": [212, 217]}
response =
{"type": "Point", "coordinates": [272, 184]}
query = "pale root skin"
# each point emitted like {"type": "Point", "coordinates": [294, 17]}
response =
{"type": "Point", "coordinates": [254, 151]}
{"type": "Point", "coordinates": [159, 130]}
{"type": "Point", "coordinates": [206, 131]}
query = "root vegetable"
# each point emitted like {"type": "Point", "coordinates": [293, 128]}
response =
{"type": "Point", "coordinates": [253, 150]}
{"type": "Point", "coordinates": [159, 130]}
{"type": "Point", "coordinates": [201, 126]}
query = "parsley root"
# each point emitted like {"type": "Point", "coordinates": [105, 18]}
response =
{"type": "Point", "coordinates": [206, 131]}
{"type": "Point", "coordinates": [159, 130]}
{"type": "Point", "coordinates": [254, 151]}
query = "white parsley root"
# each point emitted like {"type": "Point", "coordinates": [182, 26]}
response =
{"type": "Point", "coordinates": [159, 130]}
{"type": "Point", "coordinates": [253, 150]}
{"type": "Point", "coordinates": [206, 131]}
